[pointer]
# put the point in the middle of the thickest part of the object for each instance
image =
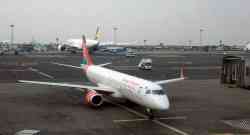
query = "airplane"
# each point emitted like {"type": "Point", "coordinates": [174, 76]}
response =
{"type": "Point", "coordinates": [120, 44]}
{"type": "Point", "coordinates": [149, 94]}
{"type": "Point", "coordinates": [113, 50]}
{"type": "Point", "coordinates": [74, 44]}
{"type": "Point", "coordinates": [247, 47]}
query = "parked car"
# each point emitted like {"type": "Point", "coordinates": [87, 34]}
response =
{"type": "Point", "coordinates": [145, 64]}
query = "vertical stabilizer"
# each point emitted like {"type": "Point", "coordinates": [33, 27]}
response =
{"type": "Point", "coordinates": [86, 58]}
{"type": "Point", "coordinates": [97, 33]}
{"type": "Point", "coordinates": [182, 72]}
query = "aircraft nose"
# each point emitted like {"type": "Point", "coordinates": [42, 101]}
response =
{"type": "Point", "coordinates": [161, 102]}
{"type": "Point", "coordinates": [164, 103]}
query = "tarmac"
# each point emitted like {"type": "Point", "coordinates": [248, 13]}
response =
{"type": "Point", "coordinates": [199, 105]}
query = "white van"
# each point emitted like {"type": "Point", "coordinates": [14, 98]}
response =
{"type": "Point", "coordinates": [145, 64]}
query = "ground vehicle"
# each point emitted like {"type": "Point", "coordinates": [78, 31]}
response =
{"type": "Point", "coordinates": [145, 63]}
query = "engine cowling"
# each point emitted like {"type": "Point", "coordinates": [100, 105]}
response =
{"type": "Point", "coordinates": [61, 47]}
{"type": "Point", "coordinates": [93, 98]}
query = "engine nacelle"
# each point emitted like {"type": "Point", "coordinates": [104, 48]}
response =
{"type": "Point", "coordinates": [61, 47]}
{"type": "Point", "coordinates": [93, 98]}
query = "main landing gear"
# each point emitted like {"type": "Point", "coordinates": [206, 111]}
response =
{"type": "Point", "coordinates": [150, 113]}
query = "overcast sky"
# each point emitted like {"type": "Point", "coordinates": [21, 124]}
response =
{"type": "Point", "coordinates": [168, 21]}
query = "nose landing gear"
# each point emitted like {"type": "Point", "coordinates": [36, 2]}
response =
{"type": "Point", "coordinates": [150, 113]}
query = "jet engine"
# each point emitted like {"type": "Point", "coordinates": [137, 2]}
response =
{"type": "Point", "coordinates": [93, 98]}
{"type": "Point", "coordinates": [61, 47]}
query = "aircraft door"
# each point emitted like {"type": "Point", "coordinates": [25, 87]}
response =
{"type": "Point", "coordinates": [140, 93]}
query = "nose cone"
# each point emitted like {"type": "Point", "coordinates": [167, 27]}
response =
{"type": "Point", "coordinates": [164, 103]}
{"type": "Point", "coordinates": [160, 102]}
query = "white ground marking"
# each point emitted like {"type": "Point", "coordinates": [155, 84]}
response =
{"type": "Point", "coordinates": [240, 123]}
{"type": "Point", "coordinates": [124, 66]}
{"type": "Point", "coordinates": [41, 73]}
{"type": "Point", "coordinates": [12, 70]}
{"type": "Point", "coordinates": [131, 120]}
{"type": "Point", "coordinates": [180, 62]}
{"type": "Point", "coordinates": [173, 118]}
{"type": "Point", "coordinates": [125, 69]}
{"type": "Point", "coordinates": [173, 68]}
{"type": "Point", "coordinates": [165, 118]}
{"type": "Point", "coordinates": [145, 117]}
{"type": "Point", "coordinates": [204, 67]}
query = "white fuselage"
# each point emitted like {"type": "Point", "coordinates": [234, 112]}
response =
{"type": "Point", "coordinates": [140, 91]}
{"type": "Point", "coordinates": [77, 43]}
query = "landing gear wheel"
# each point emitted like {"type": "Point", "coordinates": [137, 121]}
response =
{"type": "Point", "coordinates": [150, 113]}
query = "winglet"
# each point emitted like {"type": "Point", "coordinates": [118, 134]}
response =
{"type": "Point", "coordinates": [97, 33]}
{"type": "Point", "coordinates": [182, 74]}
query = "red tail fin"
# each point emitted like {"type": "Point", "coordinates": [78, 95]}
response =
{"type": "Point", "coordinates": [87, 59]}
{"type": "Point", "coordinates": [182, 72]}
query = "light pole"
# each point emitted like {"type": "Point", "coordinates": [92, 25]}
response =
{"type": "Point", "coordinates": [12, 34]}
{"type": "Point", "coordinates": [201, 30]}
{"type": "Point", "coordinates": [114, 35]}
{"type": "Point", "coordinates": [145, 42]}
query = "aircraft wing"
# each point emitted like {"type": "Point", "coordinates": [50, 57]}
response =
{"type": "Point", "coordinates": [80, 87]}
{"type": "Point", "coordinates": [71, 66]}
{"type": "Point", "coordinates": [170, 80]}
{"type": "Point", "coordinates": [105, 64]}
{"type": "Point", "coordinates": [173, 80]}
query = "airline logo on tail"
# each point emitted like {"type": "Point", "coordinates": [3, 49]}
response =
{"type": "Point", "coordinates": [86, 58]}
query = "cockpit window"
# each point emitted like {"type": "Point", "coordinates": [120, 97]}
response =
{"type": "Point", "coordinates": [158, 92]}
{"type": "Point", "coordinates": [155, 92]}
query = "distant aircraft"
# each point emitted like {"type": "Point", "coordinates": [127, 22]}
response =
{"type": "Point", "coordinates": [76, 44]}
{"type": "Point", "coordinates": [6, 46]}
{"type": "Point", "coordinates": [146, 93]}
{"type": "Point", "coordinates": [5, 42]}
{"type": "Point", "coordinates": [113, 50]}
{"type": "Point", "coordinates": [95, 44]}
{"type": "Point", "coordinates": [112, 43]}
{"type": "Point", "coordinates": [247, 47]}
